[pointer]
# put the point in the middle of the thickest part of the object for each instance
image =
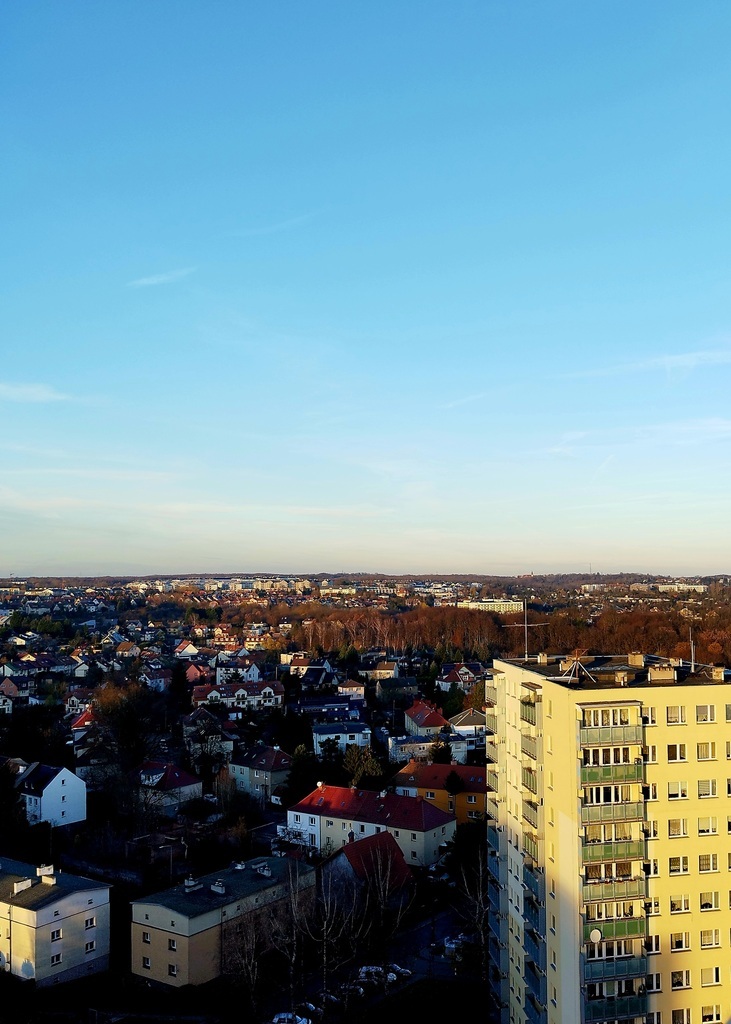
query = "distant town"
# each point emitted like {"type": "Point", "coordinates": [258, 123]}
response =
{"type": "Point", "coordinates": [282, 787]}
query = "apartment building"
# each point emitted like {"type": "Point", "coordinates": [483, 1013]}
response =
{"type": "Point", "coordinates": [609, 837]}
{"type": "Point", "coordinates": [54, 926]}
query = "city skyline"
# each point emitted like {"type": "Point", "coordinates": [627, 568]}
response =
{"type": "Point", "coordinates": [398, 290]}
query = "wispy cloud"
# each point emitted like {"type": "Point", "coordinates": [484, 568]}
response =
{"type": "Point", "coordinates": [167, 278]}
{"type": "Point", "coordinates": [30, 393]}
{"type": "Point", "coordinates": [274, 229]}
{"type": "Point", "coordinates": [465, 400]}
{"type": "Point", "coordinates": [683, 362]}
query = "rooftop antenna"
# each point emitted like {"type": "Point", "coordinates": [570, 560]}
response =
{"type": "Point", "coordinates": [692, 651]}
{"type": "Point", "coordinates": [525, 625]}
{"type": "Point", "coordinates": [576, 668]}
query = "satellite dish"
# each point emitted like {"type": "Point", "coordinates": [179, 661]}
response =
{"type": "Point", "coordinates": [595, 935]}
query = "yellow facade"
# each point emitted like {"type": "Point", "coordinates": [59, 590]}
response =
{"type": "Point", "coordinates": [609, 823]}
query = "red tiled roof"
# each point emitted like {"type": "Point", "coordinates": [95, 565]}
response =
{"type": "Point", "coordinates": [432, 776]}
{"type": "Point", "coordinates": [426, 715]}
{"type": "Point", "coordinates": [378, 857]}
{"type": "Point", "coordinates": [387, 809]}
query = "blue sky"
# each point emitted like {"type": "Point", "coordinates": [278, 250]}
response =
{"type": "Point", "coordinates": [394, 287]}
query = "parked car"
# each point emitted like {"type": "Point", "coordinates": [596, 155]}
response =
{"type": "Point", "coordinates": [290, 1018]}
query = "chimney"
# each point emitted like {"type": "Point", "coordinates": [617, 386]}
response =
{"type": "Point", "coordinates": [718, 673]}
{"type": "Point", "coordinates": [542, 659]}
{"type": "Point", "coordinates": [636, 660]}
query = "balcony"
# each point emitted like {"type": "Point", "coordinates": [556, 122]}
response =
{"type": "Point", "coordinates": [492, 781]}
{"type": "Point", "coordinates": [530, 779]}
{"type": "Point", "coordinates": [492, 808]}
{"type": "Point", "coordinates": [491, 722]}
{"type": "Point", "coordinates": [535, 982]}
{"type": "Point", "coordinates": [493, 837]}
{"type": "Point", "coordinates": [529, 746]}
{"type": "Point", "coordinates": [619, 928]}
{"type": "Point", "coordinates": [530, 813]}
{"type": "Point", "coordinates": [530, 845]}
{"type": "Point", "coordinates": [614, 889]}
{"type": "Point", "coordinates": [535, 949]}
{"type": "Point", "coordinates": [615, 1008]}
{"type": "Point", "coordinates": [491, 695]}
{"type": "Point", "coordinates": [594, 814]}
{"type": "Point", "coordinates": [592, 775]}
{"type": "Point", "coordinates": [609, 970]}
{"type": "Point", "coordinates": [534, 882]}
{"type": "Point", "coordinates": [528, 711]}
{"type": "Point", "coordinates": [491, 752]}
{"type": "Point", "coordinates": [598, 736]}
{"type": "Point", "coordinates": [597, 853]}
{"type": "Point", "coordinates": [532, 914]}
{"type": "Point", "coordinates": [532, 1013]}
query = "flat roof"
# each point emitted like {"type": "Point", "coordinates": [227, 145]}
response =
{"type": "Point", "coordinates": [601, 671]}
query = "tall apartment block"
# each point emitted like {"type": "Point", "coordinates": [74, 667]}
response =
{"type": "Point", "coordinates": [609, 840]}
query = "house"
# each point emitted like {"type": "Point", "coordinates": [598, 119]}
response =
{"type": "Point", "coordinates": [424, 719]}
{"type": "Point", "coordinates": [189, 934]}
{"type": "Point", "coordinates": [260, 771]}
{"type": "Point", "coordinates": [237, 670]}
{"type": "Point", "coordinates": [352, 689]}
{"type": "Point", "coordinates": [163, 788]}
{"type": "Point", "coordinates": [238, 696]}
{"type": "Point", "coordinates": [464, 794]}
{"type": "Point", "coordinates": [375, 864]}
{"type": "Point", "coordinates": [208, 740]}
{"type": "Point", "coordinates": [331, 816]}
{"type": "Point", "coordinates": [52, 794]}
{"type": "Point", "coordinates": [6, 704]}
{"type": "Point", "coordinates": [421, 748]}
{"type": "Point", "coordinates": [54, 926]}
{"type": "Point", "coordinates": [346, 733]}
{"type": "Point", "coordinates": [470, 724]}
{"type": "Point", "coordinates": [157, 679]}
{"type": "Point", "coordinates": [462, 674]}
{"type": "Point", "coordinates": [185, 649]}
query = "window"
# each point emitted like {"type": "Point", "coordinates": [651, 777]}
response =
{"type": "Point", "coordinates": [705, 713]}
{"type": "Point", "coordinates": [710, 976]}
{"type": "Point", "coordinates": [707, 862]}
{"type": "Point", "coordinates": [146, 963]}
{"type": "Point", "coordinates": [649, 716]}
{"type": "Point", "coordinates": [710, 937]}
{"type": "Point", "coordinates": [413, 837]}
{"type": "Point", "coordinates": [650, 830]}
{"type": "Point", "coordinates": [649, 792]}
{"type": "Point", "coordinates": [677, 828]}
{"type": "Point", "coordinates": [649, 754]}
{"type": "Point", "coordinates": [146, 938]}
{"type": "Point", "coordinates": [172, 944]}
{"type": "Point", "coordinates": [652, 907]}
{"type": "Point", "coordinates": [344, 826]}
{"type": "Point", "coordinates": [709, 901]}
{"type": "Point", "coordinates": [708, 826]}
{"type": "Point", "coordinates": [56, 934]}
{"type": "Point", "coordinates": [677, 790]}
{"type": "Point", "coordinates": [677, 752]}
{"type": "Point", "coordinates": [652, 944]}
{"type": "Point", "coordinates": [172, 970]}
{"type": "Point", "coordinates": [680, 979]}
{"type": "Point", "coordinates": [297, 817]}
{"type": "Point", "coordinates": [678, 866]}
{"type": "Point", "coordinates": [653, 983]}
{"type": "Point", "coordinates": [89, 947]}
{"type": "Point", "coordinates": [680, 1016]}
{"type": "Point", "coordinates": [313, 821]}
{"type": "Point", "coordinates": [728, 712]}
{"type": "Point", "coordinates": [362, 828]}
{"type": "Point", "coordinates": [711, 1012]}
{"type": "Point", "coordinates": [679, 940]}
{"type": "Point", "coordinates": [706, 788]}
{"type": "Point", "coordinates": [90, 922]}
{"type": "Point", "coordinates": [328, 823]}
{"type": "Point", "coordinates": [706, 751]}
{"type": "Point", "coordinates": [654, 1017]}
{"type": "Point", "coordinates": [676, 715]}
{"type": "Point", "coordinates": [679, 904]}
{"type": "Point", "coordinates": [430, 794]}
{"type": "Point", "coordinates": [471, 799]}
{"type": "Point", "coordinates": [56, 959]}
{"type": "Point", "coordinates": [652, 867]}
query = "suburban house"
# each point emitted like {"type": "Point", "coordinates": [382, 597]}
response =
{"type": "Point", "coordinates": [457, 788]}
{"type": "Point", "coordinates": [185, 650]}
{"type": "Point", "coordinates": [331, 816]}
{"type": "Point", "coordinates": [188, 935]}
{"type": "Point", "coordinates": [376, 864]}
{"type": "Point", "coordinates": [346, 733]}
{"type": "Point", "coordinates": [462, 674]}
{"type": "Point", "coordinates": [54, 926]}
{"type": "Point", "coordinates": [51, 794]}
{"type": "Point", "coordinates": [163, 788]}
{"type": "Point", "coordinates": [424, 719]}
{"type": "Point", "coordinates": [237, 670]}
{"type": "Point", "coordinates": [259, 772]}
{"type": "Point", "coordinates": [208, 740]}
{"type": "Point", "coordinates": [238, 696]}
{"type": "Point", "coordinates": [471, 725]}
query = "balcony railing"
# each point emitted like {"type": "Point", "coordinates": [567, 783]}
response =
{"type": "Point", "coordinates": [491, 752]}
{"type": "Point", "coordinates": [534, 882]}
{"type": "Point", "coordinates": [615, 1008]}
{"type": "Point", "coordinates": [596, 853]}
{"type": "Point", "coordinates": [530, 779]}
{"type": "Point", "coordinates": [535, 949]}
{"type": "Point", "coordinates": [530, 845]}
{"type": "Point", "coordinates": [530, 813]}
{"type": "Point", "coordinates": [491, 722]}
{"type": "Point", "coordinates": [528, 711]}
{"type": "Point", "coordinates": [492, 781]}
{"type": "Point", "coordinates": [592, 775]}
{"type": "Point", "coordinates": [619, 928]}
{"type": "Point", "coordinates": [532, 914]}
{"type": "Point", "coordinates": [532, 1014]}
{"type": "Point", "coordinates": [491, 695]}
{"type": "Point", "coordinates": [614, 889]}
{"type": "Point", "coordinates": [608, 970]}
{"type": "Point", "coordinates": [591, 736]}
{"type": "Point", "coordinates": [529, 746]}
{"type": "Point", "coordinates": [593, 814]}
